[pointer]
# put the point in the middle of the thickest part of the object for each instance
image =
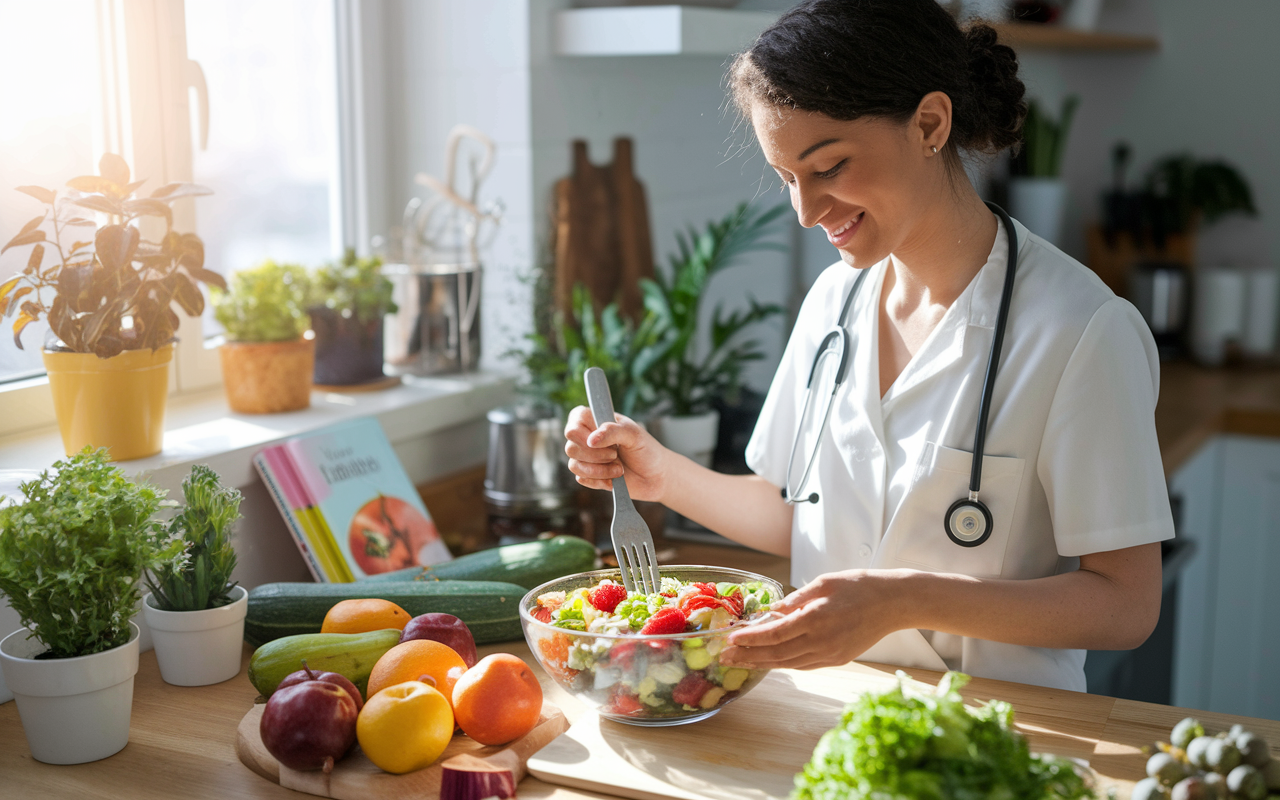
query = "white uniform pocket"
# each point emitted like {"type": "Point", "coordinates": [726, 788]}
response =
{"type": "Point", "coordinates": [942, 478]}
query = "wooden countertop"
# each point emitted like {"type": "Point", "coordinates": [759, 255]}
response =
{"type": "Point", "coordinates": [182, 740]}
{"type": "Point", "coordinates": [1198, 402]}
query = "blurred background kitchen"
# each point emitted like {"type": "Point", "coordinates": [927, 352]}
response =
{"type": "Point", "coordinates": [519, 166]}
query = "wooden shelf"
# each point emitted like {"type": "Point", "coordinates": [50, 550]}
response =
{"type": "Point", "coordinates": [657, 31]}
{"type": "Point", "coordinates": [1026, 36]}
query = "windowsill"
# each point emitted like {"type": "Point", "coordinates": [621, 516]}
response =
{"type": "Point", "coordinates": [201, 429]}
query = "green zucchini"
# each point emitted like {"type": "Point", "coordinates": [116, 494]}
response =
{"type": "Point", "coordinates": [489, 608]}
{"type": "Point", "coordinates": [351, 655]}
{"type": "Point", "coordinates": [530, 564]}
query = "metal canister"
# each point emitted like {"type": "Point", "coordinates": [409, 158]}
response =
{"type": "Point", "coordinates": [437, 329]}
{"type": "Point", "coordinates": [528, 489]}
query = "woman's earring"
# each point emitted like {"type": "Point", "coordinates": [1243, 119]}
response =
{"type": "Point", "coordinates": [935, 151]}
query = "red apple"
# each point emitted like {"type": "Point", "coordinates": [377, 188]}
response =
{"type": "Point", "coordinates": [309, 725]}
{"type": "Point", "coordinates": [306, 674]}
{"type": "Point", "coordinates": [445, 629]}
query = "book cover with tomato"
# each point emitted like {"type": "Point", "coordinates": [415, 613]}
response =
{"type": "Point", "coordinates": [350, 506]}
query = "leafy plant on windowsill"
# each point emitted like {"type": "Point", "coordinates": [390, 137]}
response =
{"type": "Point", "coordinates": [626, 352]}
{"type": "Point", "coordinates": [116, 292]}
{"type": "Point", "coordinates": [202, 578]}
{"type": "Point", "coordinates": [685, 383]}
{"type": "Point", "coordinates": [72, 554]}
{"type": "Point", "coordinates": [354, 287]}
{"type": "Point", "coordinates": [265, 304]}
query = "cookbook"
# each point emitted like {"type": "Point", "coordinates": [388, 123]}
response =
{"type": "Point", "coordinates": [350, 506]}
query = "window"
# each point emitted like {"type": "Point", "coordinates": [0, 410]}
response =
{"type": "Point", "coordinates": [50, 131]}
{"type": "Point", "coordinates": [144, 78]}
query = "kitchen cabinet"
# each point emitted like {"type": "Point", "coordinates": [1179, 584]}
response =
{"type": "Point", "coordinates": [1227, 656]}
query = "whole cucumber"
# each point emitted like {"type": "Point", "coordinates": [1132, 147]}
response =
{"type": "Point", "coordinates": [489, 608]}
{"type": "Point", "coordinates": [529, 564]}
{"type": "Point", "coordinates": [351, 655]}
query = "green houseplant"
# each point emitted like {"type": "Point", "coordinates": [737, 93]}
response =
{"type": "Point", "coordinates": [349, 300]}
{"type": "Point", "coordinates": [108, 297]}
{"type": "Point", "coordinates": [1037, 193]}
{"type": "Point", "coordinates": [71, 558]}
{"type": "Point", "coordinates": [267, 361]}
{"type": "Point", "coordinates": [195, 611]}
{"type": "Point", "coordinates": [692, 377]}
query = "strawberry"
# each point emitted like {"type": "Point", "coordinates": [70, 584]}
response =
{"type": "Point", "coordinates": [541, 614]}
{"type": "Point", "coordinates": [667, 619]}
{"type": "Point", "coordinates": [623, 655]}
{"type": "Point", "coordinates": [625, 703]}
{"type": "Point", "coordinates": [607, 596]}
{"type": "Point", "coordinates": [690, 689]}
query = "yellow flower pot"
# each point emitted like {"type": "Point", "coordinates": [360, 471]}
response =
{"type": "Point", "coordinates": [268, 377]}
{"type": "Point", "coordinates": [117, 403]}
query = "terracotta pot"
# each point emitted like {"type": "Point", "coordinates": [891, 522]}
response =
{"type": "Point", "coordinates": [117, 403]}
{"type": "Point", "coordinates": [268, 377]}
{"type": "Point", "coordinates": [348, 351]}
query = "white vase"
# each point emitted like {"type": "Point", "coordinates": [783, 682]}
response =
{"type": "Point", "coordinates": [1039, 203]}
{"type": "Point", "coordinates": [73, 710]}
{"type": "Point", "coordinates": [197, 648]}
{"type": "Point", "coordinates": [693, 436]}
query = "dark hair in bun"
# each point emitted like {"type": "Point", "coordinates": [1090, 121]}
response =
{"type": "Point", "coordinates": [857, 58]}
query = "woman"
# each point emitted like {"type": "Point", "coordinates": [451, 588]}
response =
{"type": "Point", "coordinates": [864, 107]}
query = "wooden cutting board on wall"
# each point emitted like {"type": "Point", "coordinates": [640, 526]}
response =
{"type": "Point", "coordinates": [601, 231]}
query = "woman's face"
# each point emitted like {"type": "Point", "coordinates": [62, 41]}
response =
{"type": "Point", "coordinates": [867, 182]}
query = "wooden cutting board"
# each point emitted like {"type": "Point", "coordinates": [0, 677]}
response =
{"type": "Point", "coordinates": [356, 778]}
{"type": "Point", "coordinates": [754, 747]}
{"type": "Point", "coordinates": [601, 231]}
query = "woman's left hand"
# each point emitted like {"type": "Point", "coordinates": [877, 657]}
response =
{"type": "Point", "coordinates": [829, 622]}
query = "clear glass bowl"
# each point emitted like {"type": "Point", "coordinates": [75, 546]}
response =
{"type": "Point", "coordinates": [631, 678]}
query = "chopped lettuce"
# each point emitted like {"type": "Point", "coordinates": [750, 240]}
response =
{"type": "Point", "coordinates": [901, 745]}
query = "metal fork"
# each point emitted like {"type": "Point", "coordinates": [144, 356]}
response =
{"type": "Point", "coordinates": [632, 542]}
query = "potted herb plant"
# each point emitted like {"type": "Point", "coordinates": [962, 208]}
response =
{"type": "Point", "coordinates": [691, 377]}
{"type": "Point", "coordinates": [71, 557]}
{"type": "Point", "coordinates": [195, 611]}
{"type": "Point", "coordinates": [1037, 193]}
{"type": "Point", "coordinates": [350, 299]}
{"type": "Point", "coordinates": [108, 298]}
{"type": "Point", "coordinates": [267, 362]}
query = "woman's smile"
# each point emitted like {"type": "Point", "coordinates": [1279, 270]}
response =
{"type": "Point", "coordinates": [840, 236]}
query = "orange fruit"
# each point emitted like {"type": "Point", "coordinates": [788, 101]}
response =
{"type": "Point", "coordinates": [498, 700]}
{"type": "Point", "coordinates": [362, 616]}
{"type": "Point", "coordinates": [423, 660]}
{"type": "Point", "coordinates": [405, 727]}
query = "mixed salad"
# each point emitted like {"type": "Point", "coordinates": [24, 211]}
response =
{"type": "Point", "coordinates": [644, 677]}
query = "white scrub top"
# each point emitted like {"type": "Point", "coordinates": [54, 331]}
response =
{"type": "Point", "coordinates": [1071, 462]}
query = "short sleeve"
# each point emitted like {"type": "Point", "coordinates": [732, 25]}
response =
{"type": "Point", "coordinates": [1099, 461]}
{"type": "Point", "coordinates": [770, 444]}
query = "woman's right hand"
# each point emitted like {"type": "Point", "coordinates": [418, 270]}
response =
{"type": "Point", "coordinates": [597, 455]}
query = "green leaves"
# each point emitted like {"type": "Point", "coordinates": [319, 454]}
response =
{"type": "Point", "coordinates": [687, 382]}
{"type": "Point", "coordinates": [118, 295]}
{"type": "Point", "coordinates": [354, 287]}
{"type": "Point", "coordinates": [201, 578]}
{"type": "Point", "coordinates": [902, 745]}
{"type": "Point", "coordinates": [71, 555]}
{"type": "Point", "coordinates": [265, 304]}
{"type": "Point", "coordinates": [1184, 188]}
{"type": "Point", "coordinates": [1045, 139]}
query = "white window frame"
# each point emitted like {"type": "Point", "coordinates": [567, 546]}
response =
{"type": "Point", "coordinates": [148, 84]}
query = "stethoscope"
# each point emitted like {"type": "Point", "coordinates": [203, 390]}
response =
{"type": "Point", "coordinates": [968, 521]}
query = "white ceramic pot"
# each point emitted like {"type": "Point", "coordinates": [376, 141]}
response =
{"type": "Point", "coordinates": [73, 710]}
{"type": "Point", "coordinates": [1082, 15]}
{"type": "Point", "coordinates": [692, 436]}
{"type": "Point", "coordinates": [197, 648]}
{"type": "Point", "coordinates": [1039, 203]}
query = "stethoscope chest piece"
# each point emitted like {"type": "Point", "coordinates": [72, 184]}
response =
{"type": "Point", "coordinates": [968, 522]}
